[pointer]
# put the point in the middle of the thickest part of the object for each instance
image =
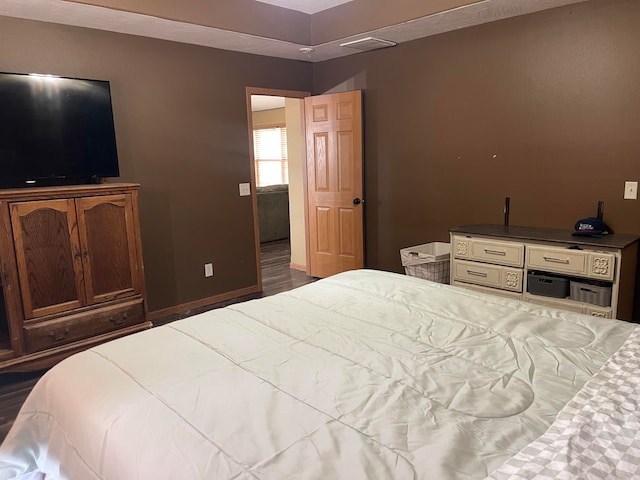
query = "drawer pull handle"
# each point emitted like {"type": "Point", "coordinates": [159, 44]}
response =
{"type": "Point", "coordinates": [117, 320]}
{"type": "Point", "coordinates": [57, 337]}
{"type": "Point", "coordinates": [556, 260]}
{"type": "Point", "coordinates": [494, 252]}
{"type": "Point", "coordinates": [477, 274]}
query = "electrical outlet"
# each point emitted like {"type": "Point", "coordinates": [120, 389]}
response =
{"type": "Point", "coordinates": [245, 189]}
{"type": "Point", "coordinates": [208, 269]}
{"type": "Point", "coordinates": [630, 190]}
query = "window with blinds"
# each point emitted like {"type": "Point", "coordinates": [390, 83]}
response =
{"type": "Point", "coordinates": [270, 149]}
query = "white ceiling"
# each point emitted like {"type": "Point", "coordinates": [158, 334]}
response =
{"type": "Point", "coordinates": [72, 13]}
{"type": "Point", "coordinates": [266, 102]}
{"type": "Point", "coordinates": [306, 6]}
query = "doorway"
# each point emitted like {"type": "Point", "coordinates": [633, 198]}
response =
{"type": "Point", "coordinates": [331, 196]}
{"type": "Point", "coordinates": [279, 201]}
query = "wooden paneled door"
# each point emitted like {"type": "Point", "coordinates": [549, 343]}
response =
{"type": "Point", "coordinates": [48, 255]}
{"type": "Point", "coordinates": [334, 183]}
{"type": "Point", "coordinates": [74, 253]}
{"type": "Point", "coordinates": [107, 237]}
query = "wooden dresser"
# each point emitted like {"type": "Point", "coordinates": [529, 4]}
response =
{"type": "Point", "coordinates": [508, 260]}
{"type": "Point", "coordinates": [71, 271]}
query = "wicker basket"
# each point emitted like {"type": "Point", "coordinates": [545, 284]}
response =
{"type": "Point", "coordinates": [430, 261]}
{"type": "Point", "coordinates": [588, 293]}
{"type": "Point", "coordinates": [547, 285]}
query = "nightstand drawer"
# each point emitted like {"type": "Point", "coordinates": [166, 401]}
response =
{"type": "Point", "coordinates": [560, 260]}
{"type": "Point", "coordinates": [488, 275]}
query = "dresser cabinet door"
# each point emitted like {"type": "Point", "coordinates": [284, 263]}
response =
{"type": "Point", "coordinates": [48, 256]}
{"type": "Point", "coordinates": [107, 236]}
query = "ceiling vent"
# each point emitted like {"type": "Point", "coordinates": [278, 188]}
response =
{"type": "Point", "coordinates": [368, 43]}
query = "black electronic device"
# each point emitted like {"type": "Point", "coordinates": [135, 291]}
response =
{"type": "Point", "coordinates": [507, 205]}
{"type": "Point", "coordinates": [55, 131]}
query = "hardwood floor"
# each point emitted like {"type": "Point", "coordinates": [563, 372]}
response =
{"type": "Point", "coordinates": [276, 277]}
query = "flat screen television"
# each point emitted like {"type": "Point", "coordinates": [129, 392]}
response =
{"type": "Point", "coordinates": [55, 131]}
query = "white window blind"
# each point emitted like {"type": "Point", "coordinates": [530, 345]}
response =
{"type": "Point", "coordinates": [270, 149]}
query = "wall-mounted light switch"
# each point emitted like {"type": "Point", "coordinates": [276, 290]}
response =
{"type": "Point", "coordinates": [630, 190]}
{"type": "Point", "coordinates": [245, 189]}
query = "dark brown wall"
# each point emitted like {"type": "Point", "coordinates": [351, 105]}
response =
{"type": "Point", "coordinates": [544, 109]}
{"type": "Point", "coordinates": [181, 126]}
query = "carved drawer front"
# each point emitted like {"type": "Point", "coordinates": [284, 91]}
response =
{"type": "Point", "coordinates": [560, 260]}
{"type": "Point", "coordinates": [488, 275]}
{"type": "Point", "coordinates": [493, 251]}
{"type": "Point", "coordinates": [53, 333]}
{"type": "Point", "coordinates": [601, 265]}
{"type": "Point", "coordinates": [460, 247]}
{"type": "Point", "coordinates": [595, 311]}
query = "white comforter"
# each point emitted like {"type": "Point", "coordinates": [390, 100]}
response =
{"type": "Point", "coordinates": [596, 435]}
{"type": "Point", "coordinates": [364, 375]}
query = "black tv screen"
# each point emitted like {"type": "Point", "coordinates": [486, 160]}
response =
{"type": "Point", "coordinates": [55, 131]}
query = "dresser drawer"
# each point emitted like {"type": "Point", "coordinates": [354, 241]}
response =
{"type": "Point", "coordinates": [593, 310]}
{"type": "Point", "coordinates": [554, 303]}
{"type": "Point", "coordinates": [53, 333]}
{"type": "Point", "coordinates": [488, 275]}
{"type": "Point", "coordinates": [560, 260]}
{"type": "Point", "coordinates": [500, 253]}
{"type": "Point", "coordinates": [602, 312]}
{"type": "Point", "coordinates": [489, 290]}
{"type": "Point", "coordinates": [600, 265]}
{"type": "Point", "coordinates": [510, 254]}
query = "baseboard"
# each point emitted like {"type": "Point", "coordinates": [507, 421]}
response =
{"type": "Point", "coordinates": [295, 266]}
{"type": "Point", "coordinates": [202, 302]}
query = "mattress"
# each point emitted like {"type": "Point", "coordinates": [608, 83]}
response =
{"type": "Point", "coordinates": [363, 375]}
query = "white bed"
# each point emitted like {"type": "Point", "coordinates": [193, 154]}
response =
{"type": "Point", "coordinates": [364, 375]}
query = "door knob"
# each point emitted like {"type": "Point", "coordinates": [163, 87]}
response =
{"type": "Point", "coordinates": [356, 201]}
